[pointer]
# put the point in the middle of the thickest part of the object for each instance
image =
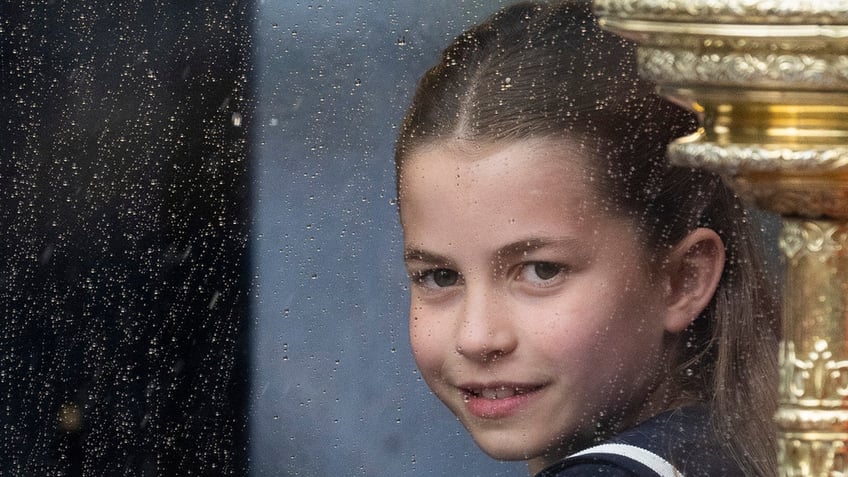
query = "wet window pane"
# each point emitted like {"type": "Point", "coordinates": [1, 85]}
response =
{"type": "Point", "coordinates": [202, 267]}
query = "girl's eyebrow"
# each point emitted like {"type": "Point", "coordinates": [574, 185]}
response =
{"type": "Point", "coordinates": [522, 247]}
{"type": "Point", "coordinates": [512, 250]}
{"type": "Point", "coordinates": [414, 254]}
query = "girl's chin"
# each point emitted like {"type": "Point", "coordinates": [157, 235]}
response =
{"type": "Point", "coordinates": [508, 454]}
{"type": "Point", "coordinates": [508, 447]}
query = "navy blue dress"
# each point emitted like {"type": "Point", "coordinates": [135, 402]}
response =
{"type": "Point", "coordinates": [683, 437]}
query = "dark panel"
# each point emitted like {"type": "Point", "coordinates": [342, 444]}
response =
{"type": "Point", "coordinates": [124, 203]}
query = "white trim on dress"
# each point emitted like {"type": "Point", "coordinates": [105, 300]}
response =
{"type": "Point", "coordinates": [645, 457]}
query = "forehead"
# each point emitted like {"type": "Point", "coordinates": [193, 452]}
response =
{"type": "Point", "coordinates": [467, 165]}
{"type": "Point", "coordinates": [524, 184]}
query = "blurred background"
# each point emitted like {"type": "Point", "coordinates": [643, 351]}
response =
{"type": "Point", "coordinates": [201, 266]}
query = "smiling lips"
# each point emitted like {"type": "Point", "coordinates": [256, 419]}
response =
{"type": "Point", "coordinates": [500, 392]}
{"type": "Point", "coordinates": [498, 401]}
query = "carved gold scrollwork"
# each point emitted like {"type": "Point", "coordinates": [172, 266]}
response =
{"type": "Point", "coordinates": [813, 413]}
{"type": "Point", "coordinates": [804, 456]}
{"type": "Point", "coordinates": [801, 237]}
{"type": "Point", "coordinates": [803, 199]}
{"type": "Point", "coordinates": [818, 380]}
{"type": "Point", "coordinates": [732, 159]}
{"type": "Point", "coordinates": [762, 68]}
{"type": "Point", "coordinates": [782, 11]}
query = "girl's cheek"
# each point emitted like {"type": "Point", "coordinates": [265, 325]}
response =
{"type": "Point", "coordinates": [429, 364]}
{"type": "Point", "coordinates": [418, 338]}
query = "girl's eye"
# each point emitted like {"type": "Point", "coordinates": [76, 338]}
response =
{"type": "Point", "coordinates": [546, 270]}
{"type": "Point", "coordinates": [438, 278]}
{"type": "Point", "coordinates": [540, 271]}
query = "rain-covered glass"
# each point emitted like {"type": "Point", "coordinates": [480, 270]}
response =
{"type": "Point", "coordinates": [202, 264]}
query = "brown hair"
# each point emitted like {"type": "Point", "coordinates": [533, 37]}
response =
{"type": "Point", "coordinates": [548, 71]}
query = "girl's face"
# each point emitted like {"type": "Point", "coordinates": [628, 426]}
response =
{"type": "Point", "coordinates": [534, 315]}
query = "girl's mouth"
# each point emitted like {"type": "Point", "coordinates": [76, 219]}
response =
{"type": "Point", "coordinates": [499, 401]}
{"type": "Point", "coordinates": [500, 392]}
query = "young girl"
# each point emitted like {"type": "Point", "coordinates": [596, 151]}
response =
{"type": "Point", "coordinates": [569, 287]}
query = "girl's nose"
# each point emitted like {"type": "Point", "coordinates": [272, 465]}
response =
{"type": "Point", "coordinates": [485, 331]}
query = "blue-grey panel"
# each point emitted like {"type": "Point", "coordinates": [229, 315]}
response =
{"type": "Point", "coordinates": [334, 387]}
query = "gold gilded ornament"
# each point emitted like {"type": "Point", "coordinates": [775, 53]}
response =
{"type": "Point", "coordinates": [769, 82]}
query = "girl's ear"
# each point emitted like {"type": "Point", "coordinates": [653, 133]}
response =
{"type": "Point", "coordinates": [693, 269]}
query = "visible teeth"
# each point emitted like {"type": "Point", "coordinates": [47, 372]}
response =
{"type": "Point", "coordinates": [498, 393]}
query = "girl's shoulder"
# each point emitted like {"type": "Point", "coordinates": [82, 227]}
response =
{"type": "Point", "coordinates": [683, 438]}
